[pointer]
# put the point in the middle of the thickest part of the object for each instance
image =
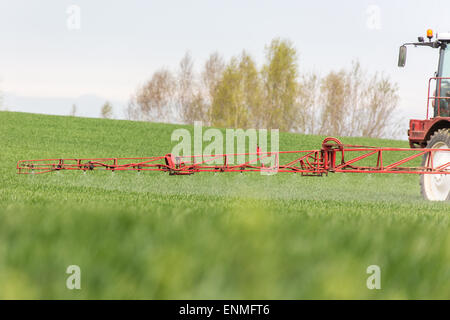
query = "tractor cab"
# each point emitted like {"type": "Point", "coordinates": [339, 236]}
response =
{"type": "Point", "coordinates": [438, 102]}
{"type": "Point", "coordinates": [439, 86]}
{"type": "Point", "coordinates": [441, 101]}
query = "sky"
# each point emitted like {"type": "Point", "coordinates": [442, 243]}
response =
{"type": "Point", "coordinates": [55, 53]}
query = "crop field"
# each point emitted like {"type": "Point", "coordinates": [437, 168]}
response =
{"type": "Point", "coordinates": [206, 236]}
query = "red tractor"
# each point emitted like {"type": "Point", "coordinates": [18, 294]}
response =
{"type": "Point", "coordinates": [434, 131]}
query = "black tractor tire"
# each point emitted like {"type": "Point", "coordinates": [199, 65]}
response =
{"type": "Point", "coordinates": [438, 140]}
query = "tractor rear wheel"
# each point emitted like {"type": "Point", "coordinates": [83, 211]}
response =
{"type": "Point", "coordinates": [436, 187]}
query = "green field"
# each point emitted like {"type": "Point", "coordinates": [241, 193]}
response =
{"type": "Point", "coordinates": [206, 236]}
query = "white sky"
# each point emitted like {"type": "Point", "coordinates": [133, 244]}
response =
{"type": "Point", "coordinates": [120, 43]}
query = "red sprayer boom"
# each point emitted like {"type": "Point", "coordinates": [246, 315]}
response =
{"type": "Point", "coordinates": [333, 156]}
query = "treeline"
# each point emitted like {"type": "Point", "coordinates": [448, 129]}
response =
{"type": "Point", "coordinates": [240, 94]}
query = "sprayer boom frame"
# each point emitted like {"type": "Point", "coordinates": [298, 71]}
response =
{"type": "Point", "coordinates": [330, 158]}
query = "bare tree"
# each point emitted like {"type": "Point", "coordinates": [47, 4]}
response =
{"type": "Point", "coordinates": [186, 89]}
{"type": "Point", "coordinates": [209, 78]}
{"type": "Point", "coordinates": [333, 95]}
{"type": "Point", "coordinates": [195, 97]}
{"type": "Point", "coordinates": [372, 106]}
{"type": "Point", "coordinates": [73, 111]}
{"type": "Point", "coordinates": [106, 111]}
{"type": "Point", "coordinates": [200, 109]}
{"type": "Point", "coordinates": [212, 73]}
{"type": "Point", "coordinates": [307, 104]}
{"type": "Point", "coordinates": [132, 111]}
{"type": "Point", "coordinates": [155, 100]}
{"type": "Point", "coordinates": [354, 103]}
{"type": "Point", "coordinates": [378, 118]}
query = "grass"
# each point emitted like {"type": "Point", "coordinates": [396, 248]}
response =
{"type": "Point", "coordinates": [205, 236]}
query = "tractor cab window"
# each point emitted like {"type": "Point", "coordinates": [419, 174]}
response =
{"type": "Point", "coordinates": [446, 63]}
{"type": "Point", "coordinates": [444, 90]}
